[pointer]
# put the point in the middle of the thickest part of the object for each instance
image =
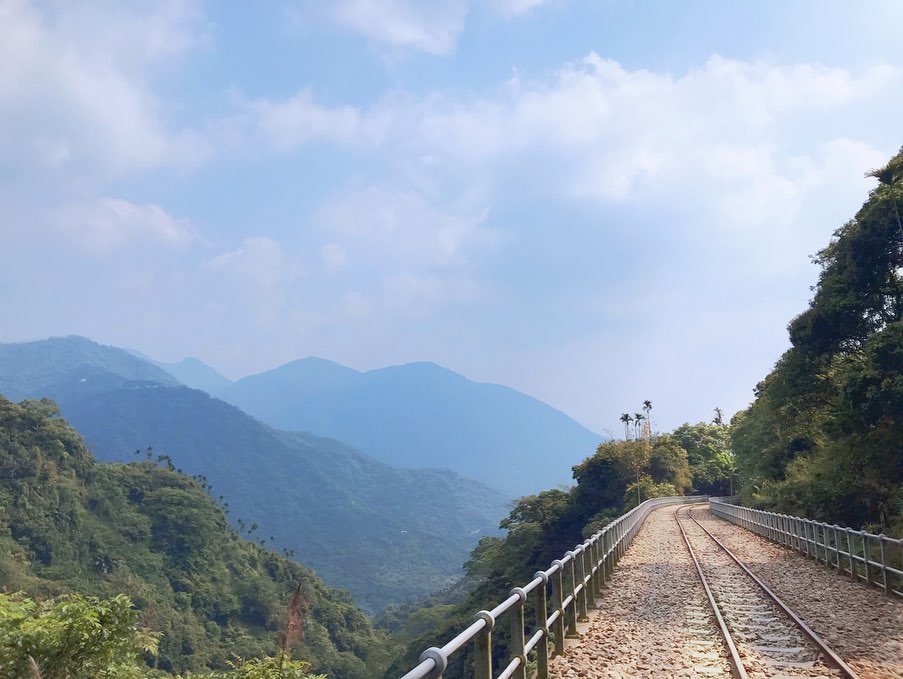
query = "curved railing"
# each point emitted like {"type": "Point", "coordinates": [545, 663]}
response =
{"type": "Point", "coordinates": [577, 580]}
{"type": "Point", "coordinates": [874, 559]}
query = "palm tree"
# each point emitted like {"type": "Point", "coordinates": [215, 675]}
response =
{"type": "Point", "coordinates": [637, 418]}
{"type": "Point", "coordinates": [647, 408]}
{"type": "Point", "coordinates": [626, 419]}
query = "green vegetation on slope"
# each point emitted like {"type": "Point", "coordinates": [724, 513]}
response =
{"type": "Point", "coordinates": [824, 437]}
{"type": "Point", "coordinates": [83, 637]}
{"type": "Point", "coordinates": [71, 525]}
{"type": "Point", "coordinates": [542, 527]}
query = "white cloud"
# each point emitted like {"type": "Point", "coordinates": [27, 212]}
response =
{"type": "Point", "coordinates": [398, 226]}
{"type": "Point", "coordinates": [416, 295]}
{"type": "Point", "coordinates": [263, 277]}
{"type": "Point", "coordinates": [515, 8]}
{"type": "Point", "coordinates": [107, 224]}
{"type": "Point", "coordinates": [742, 151]}
{"type": "Point", "coordinates": [597, 113]}
{"type": "Point", "coordinates": [300, 120]}
{"type": "Point", "coordinates": [333, 257]}
{"type": "Point", "coordinates": [259, 261]}
{"type": "Point", "coordinates": [608, 128]}
{"type": "Point", "coordinates": [75, 92]}
{"type": "Point", "coordinates": [430, 27]}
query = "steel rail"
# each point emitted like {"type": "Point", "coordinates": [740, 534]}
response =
{"type": "Point", "coordinates": [737, 668]}
{"type": "Point", "coordinates": [822, 645]}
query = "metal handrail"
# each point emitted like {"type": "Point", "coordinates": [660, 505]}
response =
{"type": "Point", "coordinates": [577, 580]}
{"type": "Point", "coordinates": [873, 559]}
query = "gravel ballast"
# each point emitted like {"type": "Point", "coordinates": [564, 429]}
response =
{"type": "Point", "coordinates": [654, 619]}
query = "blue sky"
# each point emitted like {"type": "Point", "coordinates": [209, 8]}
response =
{"type": "Point", "coordinates": [595, 203]}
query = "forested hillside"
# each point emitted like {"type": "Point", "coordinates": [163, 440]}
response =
{"type": "Point", "coordinates": [824, 437]}
{"type": "Point", "coordinates": [540, 528]}
{"type": "Point", "coordinates": [70, 524]}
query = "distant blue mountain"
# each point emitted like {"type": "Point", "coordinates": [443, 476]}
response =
{"type": "Point", "coordinates": [196, 374]}
{"type": "Point", "coordinates": [30, 369]}
{"type": "Point", "coordinates": [423, 415]}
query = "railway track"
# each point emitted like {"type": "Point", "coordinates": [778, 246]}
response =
{"type": "Point", "coordinates": [763, 636]}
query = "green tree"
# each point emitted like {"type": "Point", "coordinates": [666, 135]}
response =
{"type": "Point", "coordinates": [709, 457]}
{"type": "Point", "coordinates": [824, 435]}
{"type": "Point", "coordinates": [626, 418]}
{"type": "Point", "coordinates": [272, 667]}
{"type": "Point", "coordinates": [72, 637]}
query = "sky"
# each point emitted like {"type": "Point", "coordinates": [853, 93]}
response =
{"type": "Point", "coordinates": [595, 202]}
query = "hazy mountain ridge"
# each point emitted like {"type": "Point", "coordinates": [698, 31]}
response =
{"type": "Point", "coordinates": [387, 534]}
{"type": "Point", "coordinates": [423, 415]}
{"type": "Point", "coordinates": [194, 373]}
{"type": "Point", "coordinates": [30, 368]}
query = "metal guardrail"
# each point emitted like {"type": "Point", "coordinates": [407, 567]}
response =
{"type": "Point", "coordinates": [874, 559]}
{"type": "Point", "coordinates": [577, 580]}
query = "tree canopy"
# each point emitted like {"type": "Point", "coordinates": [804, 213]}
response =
{"type": "Point", "coordinates": [824, 436]}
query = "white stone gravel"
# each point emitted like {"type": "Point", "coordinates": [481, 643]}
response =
{"type": "Point", "coordinates": [654, 619]}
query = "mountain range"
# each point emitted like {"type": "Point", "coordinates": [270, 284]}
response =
{"type": "Point", "coordinates": [381, 481]}
{"type": "Point", "coordinates": [386, 534]}
{"type": "Point", "coordinates": [422, 415]}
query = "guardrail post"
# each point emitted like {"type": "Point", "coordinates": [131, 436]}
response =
{"type": "Point", "coordinates": [881, 539]}
{"type": "Point", "coordinates": [558, 600]}
{"type": "Point", "coordinates": [865, 559]}
{"type": "Point", "coordinates": [606, 542]}
{"type": "Point", "coordinates": [588, 575]}
{"type": "Point", "coordinates": [580, 580]}
{"type": "Point", "coordinates": [850, 553]}
{"type": "Point", "coordinates": [622, 547]}
{"type": "Point", "coordinates": [571, 609]}
{"type": "Point", "coordinates": [821, 529]}
{"type": "Point", "coordinates": [517, 634]}
{"type": "Point", "coordinates": [837, 545]}
{"type": "Point", "coordinates": [482, 647]}
{"type": "Point", "coordinates": [542, 623]}
{"type": "Point", "coordinates": [596, 564]}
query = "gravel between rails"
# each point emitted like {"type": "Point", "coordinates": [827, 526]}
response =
{"type": "Point", "coordinates": [769, 642]}
{"type": "Point", "coordinates": [861, 624]}
{"type": "Point", "coordinates": [654, 620]}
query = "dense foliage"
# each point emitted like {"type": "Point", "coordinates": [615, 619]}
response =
{"type": "Point", "coordinates": [78, 637]}
{"type": "Point", "coordinates": [71, 636]}
{"type": "Point", "coordinates": [542, 527]}
{"type": "Point", "coordinates": [824, 437]}
{"type": "Point", "coordinates": [71, 525]}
